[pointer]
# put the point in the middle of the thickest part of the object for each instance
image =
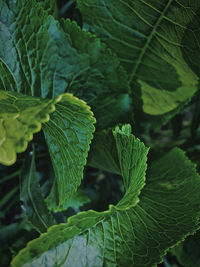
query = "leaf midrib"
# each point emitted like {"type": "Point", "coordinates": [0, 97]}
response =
{"type": "Point", "coordinates": [145, 47]}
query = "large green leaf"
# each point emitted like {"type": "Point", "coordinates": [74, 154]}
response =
{"type": "Point", "coordinates": [31, 196]}
{"type": "Point", "coordinates": [20, 117]}
{"type": "Point", "coordinates": [68, 135]}
{"type": "Point", "coordinates": [152, 40]}
{"type": "Point", "coordinates": [99, 79]}
{"type": "Point", "coordinates": [47, 60]}
{"type": "Point", "coordinates": [140, 228]}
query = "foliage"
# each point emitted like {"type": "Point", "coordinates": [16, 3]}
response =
{"type": "Point", "coordinates": [99, 132]}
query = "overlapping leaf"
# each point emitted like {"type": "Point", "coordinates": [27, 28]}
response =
{"type": "Point", "coordinates": [103, 152]}
{"type": "Point", "coordinates": [47, 60]}
{"type": "Point", "coordinates": [32, 199]}
{"type": "Point", "coordinates": [39, 60]}
{"type": "Point", "coordinates": [20, 117]}
{"type": "Point", "coordinates": [156, 42]}
{"type": "Point", "coordinates": [68, 135]}
{"type": "Point", "coordinates": [142, 226]}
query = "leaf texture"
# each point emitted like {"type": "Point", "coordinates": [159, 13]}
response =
{"type": "Point", "coordinates": [20, 117]}
{"type": "Point", "coordinates": [50, 6]}
{"type": "Point", "coordinates": [31, 196]}
{"type": "Point", "coordinates": [103, 152]}
{"type": "Point", "coordinates": [99, 79]}
{"type": "Point", "coordinates": [140, 228]}
{"type": "Point", "coordinates": [47, 59]}
{"type": "Point", "coordinates": [156, 42]}
{"type": "Point", "coordinates": [68, 135]}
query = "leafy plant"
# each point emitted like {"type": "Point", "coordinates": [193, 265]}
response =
{"type": "Point", "coordinates": [95, 90]}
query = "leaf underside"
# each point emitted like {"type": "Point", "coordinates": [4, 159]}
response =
{"type": "Point", "coordinates": [142, 226]}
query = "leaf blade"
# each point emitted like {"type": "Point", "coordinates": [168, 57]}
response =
{"type": "Point", "coordinates": [143, 231]}
{"type": "Point", "coordinates": [50, 58]}
{"type": "Point", "coordinates": [68, 135]}
{"type": "Point", "coordinates": [20, 117]}
{"type": "Point", "coordinates": [31, 196]}
{"type": "Point", "coordinates": [148, 39]}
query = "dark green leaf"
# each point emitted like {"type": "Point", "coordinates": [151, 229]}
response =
{"type": "Point", "coordinates": [149, 39]}
{"type": "Point", "coordinates": [103, 152]}
{"type": "Point", "coordinates": [187, 252]}
{"type": "Point", "coordinates": [140, 228]}
{"type": "Point", "coordinates": [97, 76]}
{"type": "Point", "coordinates": [31, 196]}
{"type": "Point", "coordinates": [46, 60]}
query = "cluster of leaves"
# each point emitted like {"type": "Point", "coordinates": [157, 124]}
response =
{"type": "Point", "coordinates": [79, 84]}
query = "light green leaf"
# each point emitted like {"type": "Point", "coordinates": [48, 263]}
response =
{"type": "Point", "coordinates": [47, 60]}
{"type": "Point", "coordinates": [20, 117]}
{"type": "Point", "coordinates": [140, 228]}
{"type": "Point", "coordinates": [147, 36]}
{"type": "Point", "coordinates": [68, 135]}
{"type": "Point", "coordinates": [31, 196]}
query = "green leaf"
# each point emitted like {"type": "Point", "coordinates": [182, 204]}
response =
{"type": "Point", "coordinates": [31, 196]}
{"type": "Point", "coordinates": [68, 135]}
{"type": "Point", "coordinates": [47, 60]}
{"type": "Point", "coordinates": [50, 6]}
{"type": "Point", "coordinates": [187, 252]}
{"type": "Point", "coordinates": [77, 200]}
{"type": "Point", "coordinates": [148, 37]}
{"type": "Point", "coordinates": [99, 78]}
{"type": "Point", "coordinates": [140, 228]}
{"type": "Point", "coordinates": [190, 44]}
{"type": "Point", "coordinates": [103, 152]}
{"type": "Point", "coordinates": [25, 28]}
{"type": "Point", "coordinates": [20, 117]}
{"type": "Point", "coordinates": [48, 70]}
{"type": "Point", "coordinates": [7, 81]}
